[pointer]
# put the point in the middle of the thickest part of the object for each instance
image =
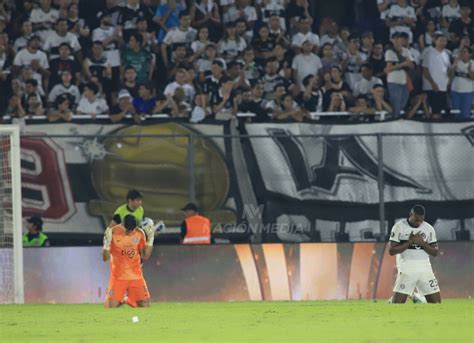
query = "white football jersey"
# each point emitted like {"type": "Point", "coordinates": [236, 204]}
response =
{"type": "Point", "coordinates": [414, 257]}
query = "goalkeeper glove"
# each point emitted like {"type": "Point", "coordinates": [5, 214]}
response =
{"type": "Point", "coordinates": [150, 228]}
{"type": "Point", "coordinates": [107, 238]}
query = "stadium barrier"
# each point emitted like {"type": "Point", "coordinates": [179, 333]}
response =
{"type": "Point", "coordinates": [259, 183]}
{"type": "Point", "coordinates": [243, 272]}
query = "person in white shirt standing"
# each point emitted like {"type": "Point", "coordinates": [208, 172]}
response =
{"type": "Point", "coordinates": [413, 241]}
{"type": "Point", "coordinates": [462, 88]}
{"type": "Point", "coordinates": [305, 63]}
{"type": "Point", "coordinates": [401, 18]}
{"type": "Point", "coordinates": [398, 62]}
{"type": "Point", "coordinates": [436, 63]}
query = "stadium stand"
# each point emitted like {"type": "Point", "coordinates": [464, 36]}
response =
{"type": "Point", "coordinates": [204, 59]}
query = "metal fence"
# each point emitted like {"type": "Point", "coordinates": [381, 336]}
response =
{"type": "Point", "coordinates": [280, 186]}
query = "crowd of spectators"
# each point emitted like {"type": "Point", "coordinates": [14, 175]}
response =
{"type": "Point", "coordinates": [214, 58]}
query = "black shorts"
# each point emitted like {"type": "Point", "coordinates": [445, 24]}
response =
{"type": "Point", "coordinates": [438, 101]}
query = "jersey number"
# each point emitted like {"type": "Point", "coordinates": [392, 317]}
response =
{"type": "Point", "coordinates": [433, 283]}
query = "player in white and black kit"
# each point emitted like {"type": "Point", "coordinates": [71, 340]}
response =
{"type": "Point", "coordinates": [413, 241]}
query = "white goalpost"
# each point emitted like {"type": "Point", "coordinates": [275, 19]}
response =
{"type": "Point", "coordinates": [11, 247]}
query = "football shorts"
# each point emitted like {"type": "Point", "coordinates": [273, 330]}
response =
{"type": "Point", "coordinates": [423, 280]}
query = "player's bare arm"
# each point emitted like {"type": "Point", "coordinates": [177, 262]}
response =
{"type": "Point", "coordinates": [146, 252]}
{"type": "Point", "coordinates": [398, 248]}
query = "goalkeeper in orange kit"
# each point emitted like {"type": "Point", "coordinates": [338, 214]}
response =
{"type": "Point", "coordinates": [126, 245]}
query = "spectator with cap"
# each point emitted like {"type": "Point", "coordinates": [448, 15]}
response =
{"type": "Point", "coordinates": [35, 237]}
{"type": "Point", "coordinates": [90, 103]}
{"type": "Point", "coordinates": [124, 107]}
{"type": "Point", "coordinates": [195, 229]}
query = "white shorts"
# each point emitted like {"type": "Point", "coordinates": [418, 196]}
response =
{"type": "Point", "coordinates": [423, 280]}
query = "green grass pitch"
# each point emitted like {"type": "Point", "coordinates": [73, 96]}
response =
{"type": "Point", "coordinates": [330, 321]}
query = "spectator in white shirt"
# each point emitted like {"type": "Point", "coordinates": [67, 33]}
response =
{"type": "Point", "coordinates": [401, 18]}
{"type": "Point", "coordinates": [90, 103]}
{"type": "Point", "coordinates": [241, 9]}
{"type": "Point", "coordinates": [305, 34]}
{"type": "Point", "coordinates": [110, 36]}
{"type": "Point", "coordinates": [180, 82]}
{"type": "Point", "coordinates": [26, 32]}
{"type": "Point", "coordinates": [33, 57]}
{"type": "Point", "coordinates": [435, 64]}
{"type": "Point", "coordinates": [182, 34]}
{"type": "Point", "coordinates": [61, 35]}
{"type": "Point", "coordinates": [43, 19]}
{"type": "Point", "coordinates": [65, 87]}
{"type": "Point", "coordinates": [462, 88]}
{"type": "Point", "coordinates": [451, 11]}
{"type": "Point", "coordinates": [231, 45]}
{"type": "Point", "coordinates": [305, 63]}
{"type": "Point", "coordinates": [26, 55]}
{"type": "Point", "coordinates": [367, 83]}
{"type": "Point", "coordinates": [397, 63]}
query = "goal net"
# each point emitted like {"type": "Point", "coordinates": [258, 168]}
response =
{"type": "Point", "coordinates": [11, 250]}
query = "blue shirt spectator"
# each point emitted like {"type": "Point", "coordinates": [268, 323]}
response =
{"type": "Point", "coordinates": [167, 16]}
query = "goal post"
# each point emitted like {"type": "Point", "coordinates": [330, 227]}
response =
{"type": "Point", "coordinates": [11, 246]}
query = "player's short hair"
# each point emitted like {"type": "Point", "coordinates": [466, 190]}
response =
{"type": "Point", "coordinates": [418, 210]}
{"type": "Point", "coordinates": [134, 194]}
{"type": "Point", "coordinates": [129, 222]}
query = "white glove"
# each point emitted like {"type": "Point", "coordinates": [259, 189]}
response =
{"type": "Point", "coordinates": [107, 238]}
{"type": "Point", "coordinates": [149, 227]}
